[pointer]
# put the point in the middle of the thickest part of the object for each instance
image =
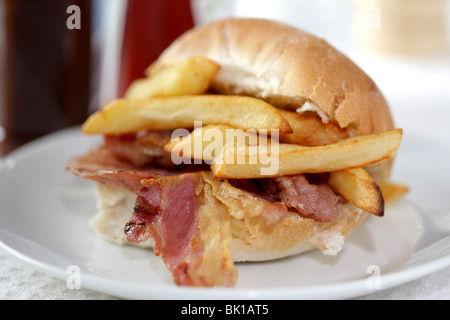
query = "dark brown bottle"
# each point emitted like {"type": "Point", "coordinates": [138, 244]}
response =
{"type": "Point", "coordinates": [44, 68]}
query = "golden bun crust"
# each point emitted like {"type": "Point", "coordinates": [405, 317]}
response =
{"type": "Point", "coordinates": [254, 240]}
{"type": "Point", "coordinates": [286, 67]}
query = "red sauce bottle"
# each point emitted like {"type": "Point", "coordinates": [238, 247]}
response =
{"type": "Point", "coordinates": [151, 25]}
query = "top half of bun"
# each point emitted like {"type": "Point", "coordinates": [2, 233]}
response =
{"type": "Point", "coordinates": [286, 67]}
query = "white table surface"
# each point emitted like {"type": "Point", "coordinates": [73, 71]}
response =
{"type": "Point", "coordinates": [419, 94]}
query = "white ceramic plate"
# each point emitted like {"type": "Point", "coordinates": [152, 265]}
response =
{"type": "Point", "coordinates": [44, 213]}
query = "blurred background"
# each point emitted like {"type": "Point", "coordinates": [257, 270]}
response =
{"type": "Point", "coordinates": [63, 59]}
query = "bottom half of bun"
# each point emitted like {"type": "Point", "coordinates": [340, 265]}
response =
{"type": "Point", "coordinates": [252, 239]}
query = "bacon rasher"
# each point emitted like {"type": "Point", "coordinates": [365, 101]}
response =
{"type": "Point", "coordinates": [191, 231]}
{"type": "Point", "coordinates": [316, 201]}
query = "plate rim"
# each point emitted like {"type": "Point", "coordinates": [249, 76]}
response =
{"type": "Point", "coordinates": [332, 290]}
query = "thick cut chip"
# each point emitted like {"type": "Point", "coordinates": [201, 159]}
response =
{"type": "Point", "coordinates": [356, 186]}
{"type": "Point", "coordinates": [206, 143]}
{"type": "Point", "coordinates": [186, 77]}
{"type": "Point", "coordinates": [239, 162]}
{"type": "Point", "coordinates": [309, 130]}
{"type": "Point", "coordinates": [168, 113]}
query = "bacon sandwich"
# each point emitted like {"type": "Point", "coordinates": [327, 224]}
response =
{"type": "Point", "coordinates": [331, 126]}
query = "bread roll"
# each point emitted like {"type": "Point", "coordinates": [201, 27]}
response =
{"type": "Point", "coordinates": [292, 70]}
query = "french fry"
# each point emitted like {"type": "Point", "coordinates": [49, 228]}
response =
{"type": "Point", "coordinates": [195, 144]}
{"type": "Point", "coordinates": [294, 159]}
{"type": "Point", "coordinates": [303, 125]}
{"type": "Point", "coordinates": [168, 113]}
{"type": "Point", "coordinates": [186, 77]}
{"type": "Point", "coordinates": [205, 143]}
{"type": "Point", "coordinates": [356, 186]}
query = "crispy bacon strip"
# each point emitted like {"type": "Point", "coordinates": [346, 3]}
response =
{"type": "Point", "coordinates": [191, 230]}
{"type": "Point", "coordinates": [141, 148]}
{"type": "Point", "coordinates": [316, 201]}
{"type": "Point", "coordinates": [102, 166]}
{"type": "Point", "coordinates": [245, 199]}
